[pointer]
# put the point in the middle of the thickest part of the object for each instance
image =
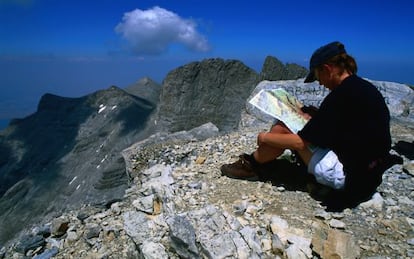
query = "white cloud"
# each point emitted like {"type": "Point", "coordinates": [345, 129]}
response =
{"type": "Point", "coordinates": [152, 31]}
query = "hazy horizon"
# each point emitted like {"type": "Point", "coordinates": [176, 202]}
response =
{"type": "Point", "coordinates": [15, 107]}
{"type": "Point", "coordinates": [73, 48]}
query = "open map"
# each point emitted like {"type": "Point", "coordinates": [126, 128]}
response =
{"type": "Point", "coordinates": [280, 105]}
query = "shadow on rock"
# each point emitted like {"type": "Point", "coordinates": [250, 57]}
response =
{"type": "Point", "coordinates": [405, 148]}
{"type": "Point", "coordinates": [293, 176]}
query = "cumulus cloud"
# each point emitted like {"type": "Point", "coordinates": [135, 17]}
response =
{"type": "Point", "coordinates": [152, 31]}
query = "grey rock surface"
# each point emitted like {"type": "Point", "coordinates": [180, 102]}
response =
{"type": "Point", "coordinates": [213, 90]}
{"type": "Point", "coordinates": [221, 217]}
{"type": "Point", "coordinates": [145, 88]}
{"type": "Point", "coordinates": [142, 150]}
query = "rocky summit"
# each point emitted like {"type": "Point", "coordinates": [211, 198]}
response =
{"type": "Point", "coordinates": [179, 206]}
{"type": "Point", "coordinates": [145, 88]}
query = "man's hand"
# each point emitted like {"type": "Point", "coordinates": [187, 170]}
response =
{"type": "Point", "coordinates": [310, 110]}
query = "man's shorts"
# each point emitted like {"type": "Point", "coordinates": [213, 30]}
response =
{"type": "Point", "coordinates": [326, 168]}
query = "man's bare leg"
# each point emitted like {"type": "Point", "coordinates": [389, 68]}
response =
{"type": "Point", "coordinates": [266, 153]}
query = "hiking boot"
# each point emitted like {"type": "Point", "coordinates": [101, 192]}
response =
{"type": "Point", "coordinates": [241, 169]}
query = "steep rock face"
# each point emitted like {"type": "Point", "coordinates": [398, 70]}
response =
{"type": "Point", "coordinates": [274, 70]}
{"type": "Point", "coordinates": [145, 88]}
{"type": "Point", "coordinates": [213, 90]}
{"type": "Point", "coordinates": [67, 154]}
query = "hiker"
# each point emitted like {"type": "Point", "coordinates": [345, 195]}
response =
{"type": "Point", "coordinates": [345, 144]}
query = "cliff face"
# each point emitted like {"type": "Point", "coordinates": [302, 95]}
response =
{"type": "Point", "coordinates": [213, 90]}
{"type": "Point", "coordinates": [67, 154]}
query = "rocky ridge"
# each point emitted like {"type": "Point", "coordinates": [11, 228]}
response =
{"type": "Point", "coordinates": [180, 206]}
{"type": "Point", "coordinates": [274, 70]}
{"type": "Point", "coordinates": [67, 154]}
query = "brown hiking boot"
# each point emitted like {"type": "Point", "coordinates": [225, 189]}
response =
{"type": "Point", "coordinates": [241, 169]}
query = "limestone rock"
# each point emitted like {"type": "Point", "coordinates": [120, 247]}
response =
{"type": "Point", "coordinates": [183, 237]}
{"type": "Point", "coordinates": [59, 226]}
{"type": "Point", "coordinates": [152, 250]}
{"type": "Point", "coordinates": [213, 90]}
{"type": "Point", "coordinates": [29, 242]}
{"type": "Point", "coordinates": [337, 245]}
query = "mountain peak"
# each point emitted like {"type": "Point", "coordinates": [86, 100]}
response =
{"type": "Point", "coordinates": [145, 88]}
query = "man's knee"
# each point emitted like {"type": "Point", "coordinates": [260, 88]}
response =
{"type": "Point", "coordinates": [280, 127]}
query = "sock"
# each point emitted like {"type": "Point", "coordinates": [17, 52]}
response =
{"type": "Point", "coordinates": [252, 160]}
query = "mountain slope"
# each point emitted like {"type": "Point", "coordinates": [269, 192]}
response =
{"type": "Point", "coordinates": [67, 154]}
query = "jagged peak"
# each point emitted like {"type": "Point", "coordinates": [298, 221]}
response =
{"type": "Point", "coordinates": [146, 81]}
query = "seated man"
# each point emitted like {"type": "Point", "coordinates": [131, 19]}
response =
{"type": "Point", "coordinates": [351, 130]}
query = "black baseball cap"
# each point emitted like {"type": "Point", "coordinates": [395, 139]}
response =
{"type": "Point", "coordinates": [321, 55]}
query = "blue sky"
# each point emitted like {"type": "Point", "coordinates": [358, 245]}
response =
{"type": "Point", "coordinates": [73, 48]}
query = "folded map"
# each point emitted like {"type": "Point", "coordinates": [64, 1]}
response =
{"type": "Point", "coordinates": [281, 105]}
